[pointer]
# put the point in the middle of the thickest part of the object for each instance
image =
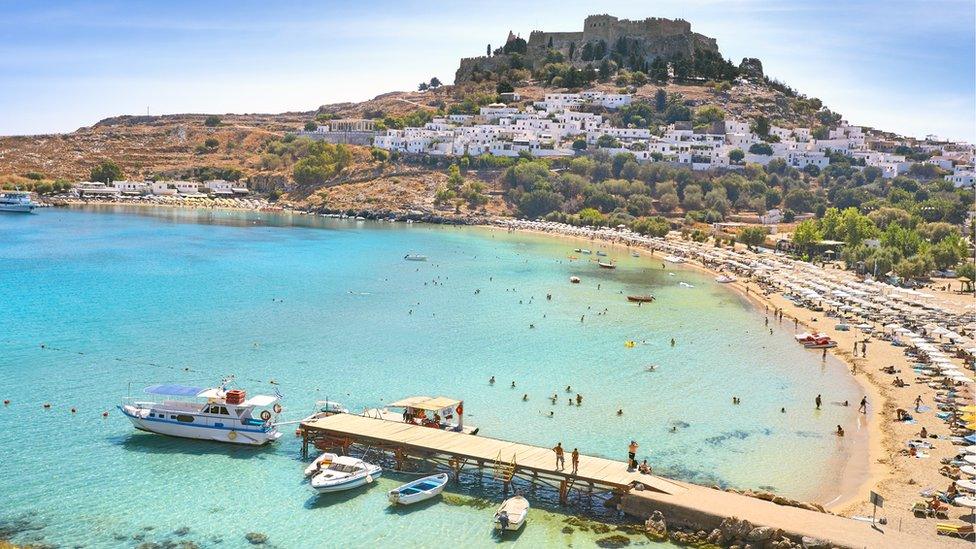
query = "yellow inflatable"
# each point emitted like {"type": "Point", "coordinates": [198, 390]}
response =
{"type": "Point", "coordinates": [629, 344]}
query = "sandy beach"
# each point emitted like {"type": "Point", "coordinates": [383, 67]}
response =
{"type": "Point", "coordinates": [881, 462]}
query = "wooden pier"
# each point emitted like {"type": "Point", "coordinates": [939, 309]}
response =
{"type": "Point", "coordinates": [458, 451]}
{"type": "Point", "coordinates": [690, 505]}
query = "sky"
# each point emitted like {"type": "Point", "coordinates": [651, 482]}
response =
{"type": "Point", "coordinates": [902, 66]}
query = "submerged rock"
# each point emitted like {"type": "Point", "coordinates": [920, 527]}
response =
{"type": "Point", "coordinates": [615, 540]}
{"type": "Point", "coordinates": [182, 531]}
{"type": "Point", "coordinates": [256, 538]}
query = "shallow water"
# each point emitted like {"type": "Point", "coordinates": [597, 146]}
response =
{"type": "Point", "coordinates": [329, 309]}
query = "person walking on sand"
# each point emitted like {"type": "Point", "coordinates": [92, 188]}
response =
{"type": "Point", "coordinates": [824, 355]}
{"type": "Point", "coordinates": [918, 402]}
{"type": "Point", "coordinates": [632, 455]}
{"type": "Point", "coordinates": [574, 459]}
{"type": "Point", "coordinates": [863, 408]}
{"type": "Point", "coordinates": [818, 401]}
{"type": "Point", "coordinates": [560, 459]}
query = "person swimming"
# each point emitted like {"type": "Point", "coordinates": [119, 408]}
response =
{"type": "Point", "coordinates": [491, 380]}
{"type": "Point", "coordinates": [620, 412]}
{"type": "Point", "coordinates": [525, 397]}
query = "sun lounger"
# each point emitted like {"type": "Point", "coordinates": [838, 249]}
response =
{"type": "Point", "coordinates": [959, 529]}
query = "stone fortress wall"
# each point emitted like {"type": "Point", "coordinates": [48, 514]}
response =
{"type": "Point", "coordinates": [650, 38]}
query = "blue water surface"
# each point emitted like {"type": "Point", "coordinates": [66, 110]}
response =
{"type": "Point", "coordinates": [97, 301]}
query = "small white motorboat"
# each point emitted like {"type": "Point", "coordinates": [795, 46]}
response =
{"type": "Point", "coordinates": [674, 259]}
{"type": "Point", "coordinates": [345, 473]}
{"type": "Point", "coordinates": [601, 254]}
{"type": "Point", "coordinates": [418, 490]}
{"type": "Point", "coordinates": [320, 462]}
{"type": "Point", "coordinates": [415, 257]}
{"type": "Point", "coordinates": [512, 514]}
{"type": "Point", "coordinates": [725, 279]}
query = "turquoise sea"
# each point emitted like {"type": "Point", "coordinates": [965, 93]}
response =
{"type": "Point", "coordinates": [94, 300]}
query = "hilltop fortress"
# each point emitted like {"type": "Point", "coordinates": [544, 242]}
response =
{"type": "Point", "coordinates": [602, 37]}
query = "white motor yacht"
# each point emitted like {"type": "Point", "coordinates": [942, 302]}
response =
{"type": "Point", "coordinates": [216, 413]}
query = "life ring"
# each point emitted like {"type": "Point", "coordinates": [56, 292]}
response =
{"type": "Point", "coordinates": [232, 435]}
{"type": "Point", "coordinates": [276, 408]}
{"type": "Point", "coordinates": [265, 415]}
{"type": "Point", "coordinates": [460, 409]}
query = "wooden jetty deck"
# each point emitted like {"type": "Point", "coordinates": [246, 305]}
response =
{"type": "Point", "coordinates": [457, 450]}
{"type": "Point", "coordinates": [690, 505]}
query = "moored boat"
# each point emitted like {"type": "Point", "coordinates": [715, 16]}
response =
{"type": "Point", "coordinates": [646, 298]}
{"type": "Point", "coordinates": [601, 254]}
{"type": "Point", "coordinates": [345, 473]}
{"type": "Point", "coordinates": [418, 490]}
{"type": "Point", "coordinates": [16, 202]}
{"type": "Point", "coordinates": [217, 413]}
{"type": "Point", "coordinates": [574, 279]}
{"type": "Point", "coordinates": [415, 257]}
{"type": "Point", "coordinates": [512, 514]}
{"type": "Point", "coordinates": [606, 264]}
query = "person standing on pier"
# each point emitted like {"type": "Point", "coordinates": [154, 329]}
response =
{"type": "Point", "coordinates": [632, 455]}
{"type": "Point", "coordinates": [574, 458]}
{"type": "Point", "coordinates": [560, 458]}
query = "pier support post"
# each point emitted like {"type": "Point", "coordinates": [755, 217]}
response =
{"type": "Point", "coordinates": [563, 492]}
{"type": "Point", "coordinates": [304, 444]}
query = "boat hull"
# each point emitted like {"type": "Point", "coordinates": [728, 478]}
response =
{"type": "Point", "coordinates": [247, 437]}
{"type": "Point", "coordinates": [347, 484]}
{"type": "Point", "coordinates": [412, 492]}
{"type": "Point", "coordinates": [17, 208]}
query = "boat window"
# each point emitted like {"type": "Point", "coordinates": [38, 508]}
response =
{"type": "Point", "coordinates": [223, 410]}
{"type": "Point", "coordinates": [185, 418]}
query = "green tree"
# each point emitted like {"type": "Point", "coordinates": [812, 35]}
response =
{"type": "Point", "coordinates": [660, 100]}
{"type": "Point", "coordinates": [708, 114]}
{"type": "Point", "coordinates": [651, 226]}
{"type": "Point", "coordinates": [967, 270]}
{"type": "Point", "coordinates": [736, 156]}
{"type": "Point", "coordinates": [753, 236]}
{"type": "Point", "coordinates": [760, 126]}
{"type": "Point", "coordinates": [311, 126]}
{"type": "Point", "coordinates": [539, 202]}
{"type": "Point", "coordinates": [607, 142]}
{"type": "Point", "coordinates": [212, 121]}
{"type": "Point", "coordinates": [106, 171]}
{"type": "Point", "coordinates": [435, 82]}
{"type": "Point", "coordinates": [761, 148]}
{"type": "Point", "coordinates": [805, 235]}
{"type": "Point", "coordinates": [455, 179]}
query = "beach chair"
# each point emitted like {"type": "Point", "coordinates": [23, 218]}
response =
{"type": "Point", "coordinates": [959, 529]}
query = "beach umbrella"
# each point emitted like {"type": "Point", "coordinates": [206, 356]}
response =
{"type": "Point", "coordinates": [971, 458]}
{"type": "Point", "coordinates": [967, 485]}
{"type": "Point", "coordinates": [969, 470]}
{"type": "Point", "coordinates": [971, 449]}
{"type": "Point", "coordinates": [968, 408]}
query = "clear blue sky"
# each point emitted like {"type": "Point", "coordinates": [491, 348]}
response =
{"type": "Point", "coordinates": [907, 67]}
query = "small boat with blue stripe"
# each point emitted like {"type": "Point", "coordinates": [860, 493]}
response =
{"type": "Point", "coordinates": [345, 473]}
{"type": "Point", "coordinates": [215, 413]}
{"type": "Point", "coordinates": [418, 490]}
